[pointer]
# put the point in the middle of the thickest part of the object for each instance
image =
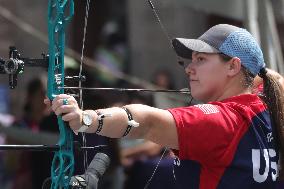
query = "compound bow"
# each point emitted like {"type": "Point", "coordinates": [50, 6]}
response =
{"type": "Point", "coordinates": [60, 12]}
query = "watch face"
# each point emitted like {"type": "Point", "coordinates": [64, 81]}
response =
{"type": "Point", "coordinates": [87, 119]}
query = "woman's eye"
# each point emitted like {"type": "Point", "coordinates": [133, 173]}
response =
{"type": "Point", "coordinates": [200, 59]}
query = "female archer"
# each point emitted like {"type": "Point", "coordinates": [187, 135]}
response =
{"type": "Point", "coordinates": [234, 140]}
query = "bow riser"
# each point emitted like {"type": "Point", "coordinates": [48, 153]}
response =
{"type": "Point", "coordinates": [63, 162]}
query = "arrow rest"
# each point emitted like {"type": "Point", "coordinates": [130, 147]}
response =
{"type": "Point", "coordinates": [81, 78]}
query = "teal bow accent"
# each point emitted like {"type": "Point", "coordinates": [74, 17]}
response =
{"type": "Point", "coordinates": [60, 13]}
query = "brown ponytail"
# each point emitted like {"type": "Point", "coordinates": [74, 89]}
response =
{"type": "Point", "coordinates": [274, 99]}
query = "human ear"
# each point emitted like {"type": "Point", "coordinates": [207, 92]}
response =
{"type": "Point", "coordinates": [234, 66]}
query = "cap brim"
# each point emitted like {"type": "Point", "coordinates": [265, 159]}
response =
{"type": "Point", "coordinates": [185, 47]}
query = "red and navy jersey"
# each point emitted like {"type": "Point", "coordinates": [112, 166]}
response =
{"type": "Point", "coordinates": [227, 144]}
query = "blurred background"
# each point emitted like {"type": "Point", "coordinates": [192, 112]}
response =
{"type": "Point", "coordinates": [126, 37]}
{"type": "Point", "coordinates": [126, 46]}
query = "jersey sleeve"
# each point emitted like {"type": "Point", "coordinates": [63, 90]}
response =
{"type": "Point", "coordinates": [206, 131]}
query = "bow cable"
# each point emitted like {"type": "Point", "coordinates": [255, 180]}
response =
{"type": "Point", "coordinates": [182, 90]}
{"type": "Point", "coordinates": [170, 42]}
{"type": "Point", "coordinates": [166, 33]}
{"type": "Point", "coordinates": [84, 141]}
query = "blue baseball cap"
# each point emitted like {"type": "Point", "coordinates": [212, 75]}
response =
{"type": "Point", "coordinates": [227, 39]}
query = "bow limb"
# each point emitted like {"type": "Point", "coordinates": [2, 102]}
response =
{"type": "Point", "coordinates": [63, 162]}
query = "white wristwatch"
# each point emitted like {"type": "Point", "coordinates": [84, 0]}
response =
{"type": "Point", "coordinates": [87, 121]}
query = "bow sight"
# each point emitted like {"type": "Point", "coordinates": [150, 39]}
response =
{"type": "Point", "coordinates": [15, 65]}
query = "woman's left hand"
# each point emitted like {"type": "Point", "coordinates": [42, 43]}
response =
{"type": "Point", "coordinates": [66, 106]}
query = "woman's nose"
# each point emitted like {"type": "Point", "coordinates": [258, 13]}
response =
{"type": "Point", "coordinates": [189, 69]}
